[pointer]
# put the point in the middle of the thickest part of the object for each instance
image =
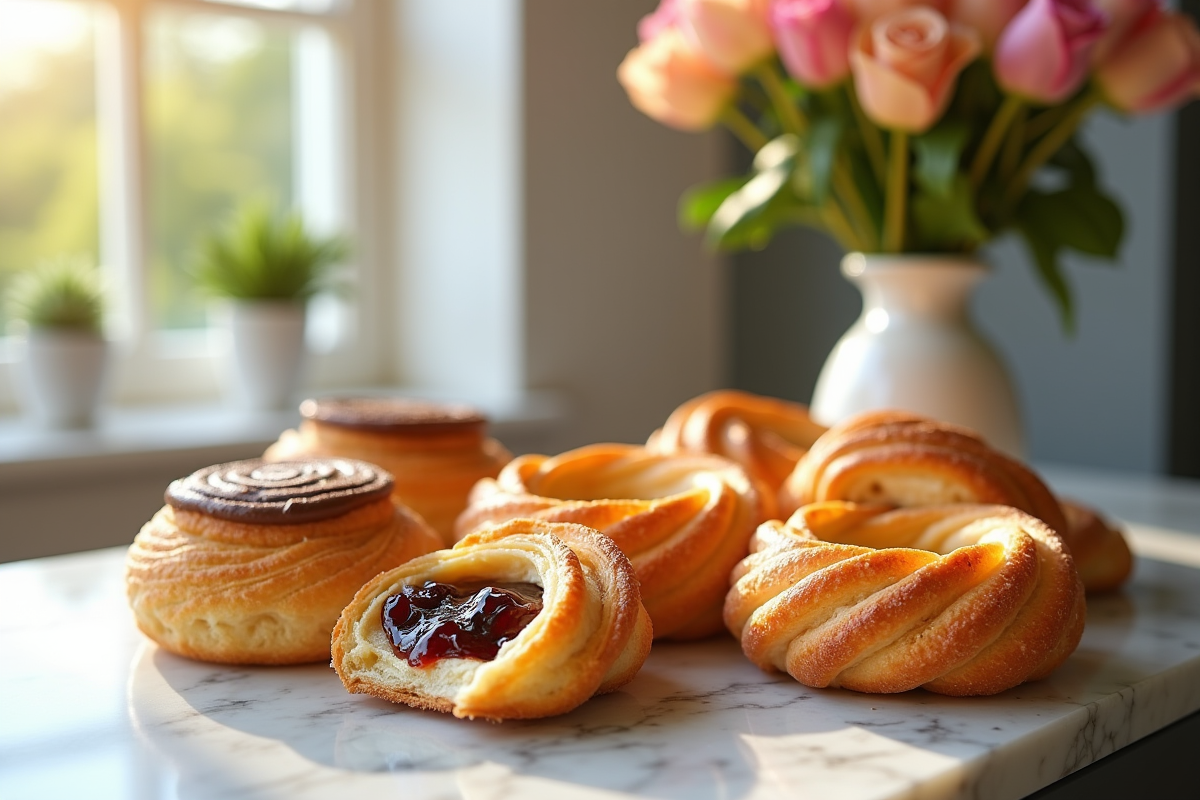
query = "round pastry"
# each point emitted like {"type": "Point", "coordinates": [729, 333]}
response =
{"type": "Point", "coordinates": [960, 600]}
{"type": "Point", "coordinates": [521, 620]}
{"type": "Point", "coordinates": [765, 435]}
{"type": "Point", "coordinates": [1101, 553]}
{"type": "Point", "coordinates": [251, 563]}
{"type": "Point", "coordinates": [435, 452]}
{"type": "Point", "coordinates": [683, 520]}
{"type": "Point", "coordinates": [905, 460]}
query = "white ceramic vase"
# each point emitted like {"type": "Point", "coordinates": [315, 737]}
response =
{"type": "Point", "coordinates": [266, 353]}
{"type": "Point", "coordinates": [64, 376]}
{"type": "Point", "coordinates": [915, 348]}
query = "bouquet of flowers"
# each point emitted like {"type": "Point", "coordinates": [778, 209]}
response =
{"type": "Point", "coordinates": [902, 126]}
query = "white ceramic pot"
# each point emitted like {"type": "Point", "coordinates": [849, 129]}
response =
{"type": "Point", "coordinates": [266, 353]}
{"type": "Point", "coordinates": [915, 348]}
{"type": "Point", "coordinates": [64, 377]}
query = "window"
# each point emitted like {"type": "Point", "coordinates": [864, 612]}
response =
{"type": "Point", "coordinates": [129, 128]}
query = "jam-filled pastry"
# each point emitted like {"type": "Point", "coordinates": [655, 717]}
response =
{"type": "Point", "coordinates": [767, 436]}
{"type": "Point", "coordinates": [684, 520]}
{"type": "Point", "coordinates": [960, 600]}
{"type": "Point", "coordinates": [435, 451]}
{"type": "Point", "coordinates": [520, 620]}
{"type": "Point", "coordinates": [1101, 553]}
{"type": "Point", "coordinates": [251, 563]}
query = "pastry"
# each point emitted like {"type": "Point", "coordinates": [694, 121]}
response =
{"type": "Point", "coordinates": [960, 600]}
{"type": "Point", "coordinates": [520, 620]}
{"type": "Point", "coordinates": [683, 520]}
{"type": "Point", "coordinates": [1101, 553]}
{"type": "Point", "coordinates": [435, 452]}
{"type": "Point", "coordinates": [251, 563]}
{"type": "Point", "coordinates": [765, 435]}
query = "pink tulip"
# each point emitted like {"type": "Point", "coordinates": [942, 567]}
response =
{"type": "Point", "coordinates": [986, 16]}
{"type": "Point", "coordinates": [734, 34]}
{"type": "Point", "coordinates": [905, 65]}
{"type": "Point", "coordinates": [813, 37]}
{"type": "Point", "coordinates": [654, 23]}
{"type": "Point", "coordinates": [870, 10]}
{"type": "Point", "coordinates": [1156, 66]}
{"type": "Point", "coordinates": [670, 81]}
{"type": "Point", "coordinates": [1044, 53]}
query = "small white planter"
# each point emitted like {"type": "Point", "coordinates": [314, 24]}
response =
{"type": "Point", "coordinates": [915, 348]}
{"type": "Point", "coordinates": [63, 377]}
{"type": "Point", "coordinates": [266, 361]}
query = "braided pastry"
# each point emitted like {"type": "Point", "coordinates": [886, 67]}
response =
{"type": "Point", "coordinates": [548, 616]}
{"type": "Point", "coordinates": [960, 600]}
{"type": "Point", "coordinates": [765, 435]}
{"type": "Point", "coordinates": [435, 452]}
{"type": "Point", "coordinates": [251, 563]}
{"type": "Point", "coordinates": [683, 520]}
{"type": "Point", "coordinates": [1101, 553]}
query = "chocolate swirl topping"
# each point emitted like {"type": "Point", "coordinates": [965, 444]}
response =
{"type": "Point", "coordinates": [284, 493]}
{"type": "Point", "coordinates": [393, 415]}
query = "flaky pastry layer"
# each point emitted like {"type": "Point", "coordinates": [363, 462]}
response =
{"type": "Point", "coordinates": [240, 593]}
{"type": "Point", "coordinates": [960, 600]}
{"type": "Point", "coordinates": [683, 520]}
{"type": "Point", "coordinates": [591, 636]}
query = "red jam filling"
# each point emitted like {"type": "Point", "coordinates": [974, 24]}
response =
{"type": "Point", "coordinates": [428, 623]}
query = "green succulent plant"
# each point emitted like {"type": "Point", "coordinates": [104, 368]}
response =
{"type": "Point", "coordinates": [264, 257]}
{"type": "Point", "coordinates": [63, 293]}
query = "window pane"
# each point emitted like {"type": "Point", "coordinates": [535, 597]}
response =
{"type": "Point", "coordinates": [48, 189]}
{"type": "Point", "coordinates": [219, 120]}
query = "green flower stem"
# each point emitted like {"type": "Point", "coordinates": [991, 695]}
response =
{"type": "Point", "coordinates": [793, 121]}
{"type": "Point", "coordinates": [1014, 145]}
{"type": "Point", "coordinates": [872, 138]}
{"type": "Point", "coordinates": [1048, 145]}
{"type": "Point", "coordinates": [848, 194]}
{"type": "Point", "coordinates": [1037, 126]}
{"type": "Point", "coordinates": [993, 138]}
{"type": "Point", "coordinates": [897, 194]}
{"type": "Point", "coordinates": [745, 130]}
{"type": "Point", "coordinates": [835, 221]}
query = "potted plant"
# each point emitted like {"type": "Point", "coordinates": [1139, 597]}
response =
{"type": "Point", "coordinates": [60, 305]}
{"type": "Point", "coordinates": [266, 268]}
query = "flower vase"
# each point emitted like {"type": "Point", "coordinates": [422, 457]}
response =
{"type": "Point", "coordinates": [915, 348]}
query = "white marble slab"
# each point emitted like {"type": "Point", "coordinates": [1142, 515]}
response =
{"type": "Point", "coordinates": [88, 708]}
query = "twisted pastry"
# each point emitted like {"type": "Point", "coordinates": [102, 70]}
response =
{"type": "Point", "coordinates": [960, 600]}
{"type": "Point", "coordinates": [1101, 553]}
{"type": "Point", "coordinates": [435, 452]}
{"type": "Point", "coordinates": [683, 520]}
{"type": "Point", "coordinates": [251, 563]}
{"type": "Point", "coordinates": [906, 460]}
{"type": "Point", "coordinates": [590, 636]}
{"type": "Point", "coordinates": [765, 435]}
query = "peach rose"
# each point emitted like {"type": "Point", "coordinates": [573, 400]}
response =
{"type": "Point", "coordinates": [905, 64]}
{"type": "Point", "coordinates": [734, 34]}
{"type": "Point", "coordinates": [988, 17]}
{"type": "Point", "coordinates": [869, 10]}
{"type": "Point", "coordinates": [670, 81]}
{"type": "Point", "coordinates": [1156, 66]}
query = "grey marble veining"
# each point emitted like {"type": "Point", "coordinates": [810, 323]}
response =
{"type": "Point", "coordinates": [92, 705]}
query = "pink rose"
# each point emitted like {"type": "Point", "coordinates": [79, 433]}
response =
{"type": "Point", "coordinates": [1156, 66]}
{"type": "Point", "coordinates": [733, 33]}
{"type": "Point", "coordinates": [905, 65]}
{"type": "Point", "coordinates": [869, 10]}
{"type": "Point", "coordinates": [813, 37]}
{"type": "Point", "coordinates": [1122, 15]}
{"type": "Point", "coordinates": [1044, 53]}
{"type": "Point", "coordinates": [668, 80]}
{"type": "Point", "coordinates": [654, 23]}
{"type": "Point", "coordinates": [986, 16]}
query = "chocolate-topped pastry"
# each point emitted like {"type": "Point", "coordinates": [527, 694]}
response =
{"type": "Point", "coordinates": [435, 451]}
{"type": "Point", "coordinates": [280, 493]}
{"type": "Point", "coordinates": [251, 562]}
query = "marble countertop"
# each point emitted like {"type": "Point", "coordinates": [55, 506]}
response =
{"type": "Point", "coordinates": [92, 709]}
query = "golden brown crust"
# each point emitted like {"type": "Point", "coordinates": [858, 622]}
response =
{"type": "Point", "coordinates": [1101, 553]}
{"type": "Point", "coordinates": [242, 593]}
{"type": "Point", "coordinates": [683, 520]}
{"type": "Point", "coordinates": [591, 636]}
{"type": "Point", "coordinates": [960, 600]}
{"type": "Point", "coordinates": [434, 470]}
{"type": "Point", "coordinates": [767, 436]}
{"type": "Point", "coordinates": [905, 460]}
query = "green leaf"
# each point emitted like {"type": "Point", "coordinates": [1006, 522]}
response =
{"type": "Point", "coordinates": [1082, 218]}
{"type": "Point", "coordinates": [822, 142]}
{"type": "Point", "coordinates": [748, 216]}
{"type": "Point", "coordinates": [938, 154]}
{"type": "Point", "coordinates": [1076, 162]}
{"type": "Point", "coordinates": [699, 203]}
{"type": "Point", "coordinates": [1044, 243]}
{"type": "Point", "coordinates": [947, 222]}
